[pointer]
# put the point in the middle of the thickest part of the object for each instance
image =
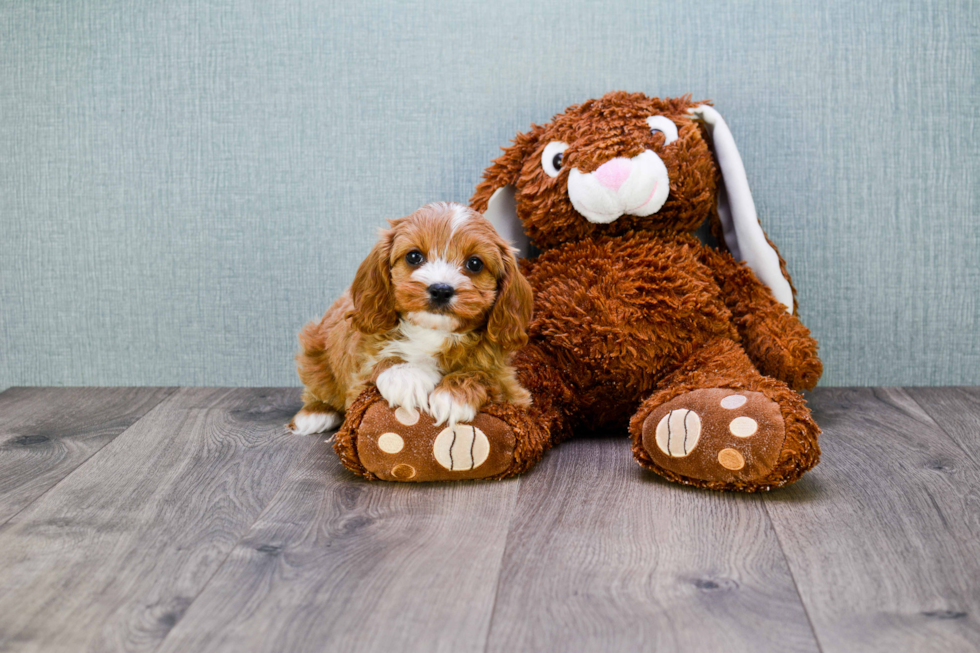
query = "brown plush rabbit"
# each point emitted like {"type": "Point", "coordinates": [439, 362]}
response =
{"type": "Point", "coordinates": [636, 322]}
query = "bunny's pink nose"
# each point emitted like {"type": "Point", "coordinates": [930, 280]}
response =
{"type": "Point", "coordinates": [613, 173]}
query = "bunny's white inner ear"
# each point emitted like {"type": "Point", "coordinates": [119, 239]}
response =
{"type": "Point", "coordinates": [736, 209]}
{"type": "Point", "coordinates": [502, 214]}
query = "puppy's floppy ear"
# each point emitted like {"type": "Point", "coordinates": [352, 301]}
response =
{"type": "Point", "coordinates": [374, 300]}
{"type": "Point", "coordinates": [511, 312]}
{"type": "Point", "coordinates": [740, 225]}
{"type": "Point", "coordinates": [495, 196]}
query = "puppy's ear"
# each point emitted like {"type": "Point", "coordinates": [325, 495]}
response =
{"type": "Point", "coordinates": [511, 313]}
{"type": "Point", "coordinates": [374, 300]}
{"type": "Point", "coordinates": [495, 196]}
{"type": "Point", "coordinates": [740, 229]}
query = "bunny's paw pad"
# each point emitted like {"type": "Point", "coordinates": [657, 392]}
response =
{"type": "Point", "coordinates": [716, 434]}
{"type": "Point", "coordinates": [405, 445]}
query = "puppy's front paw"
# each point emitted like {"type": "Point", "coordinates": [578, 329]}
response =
{"type": "Point", "coordinates": [407, 385]}
{"type": "Point", "coordinates": [445, 407]}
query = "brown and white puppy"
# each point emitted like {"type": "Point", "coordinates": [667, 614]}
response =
{"type": "Point", "coordinates": [432, 317]}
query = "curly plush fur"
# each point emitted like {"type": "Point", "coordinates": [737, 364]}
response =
{"type": "Point", "coordinates": [632, 314]}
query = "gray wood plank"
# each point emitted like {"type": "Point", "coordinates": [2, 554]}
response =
{"type": "Point", "coordinates": [956, 411]}
{"type": "Point", "coordinates": [110, 558]}
{"type": "Point", "coordinates": [883, 536]}
{"type": "Point", "coordinates": [605, 556]}
{"type": "Point", "coordinates": [45, 433]}
{"type": "Point", "coordinates": [337, 563]}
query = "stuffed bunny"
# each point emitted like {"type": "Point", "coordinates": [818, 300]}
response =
{"type": "Point", "coordinates": [697, 350]}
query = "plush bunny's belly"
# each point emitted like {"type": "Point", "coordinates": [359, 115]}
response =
{"type": "Point", "coordinates": [620, 313]}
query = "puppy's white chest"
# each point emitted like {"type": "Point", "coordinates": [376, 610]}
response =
{"type": "Point", "coordinates": [417, 345]}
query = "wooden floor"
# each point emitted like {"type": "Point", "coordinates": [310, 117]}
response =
{"type": "Point", "coordinates": [178, 520]}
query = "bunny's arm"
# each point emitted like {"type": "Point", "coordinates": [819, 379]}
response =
{"type": "Point", "coordinates": [776, 341]}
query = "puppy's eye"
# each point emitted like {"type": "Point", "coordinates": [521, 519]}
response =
{"type": "Point", "coordinates": [414, 258]}
{"type": "Point", "coordinates": [552, 156]}
{"type": "Point", "coordinates": [663, 125]}
{"type": "Point", "coordinates": [474, 264]}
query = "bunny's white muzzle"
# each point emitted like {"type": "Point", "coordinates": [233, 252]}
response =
{"type": "Point", "coordinates": [637, 186]}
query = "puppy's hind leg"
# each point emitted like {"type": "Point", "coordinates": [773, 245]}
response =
{"type": "Point", "coordinates": [315, 417]}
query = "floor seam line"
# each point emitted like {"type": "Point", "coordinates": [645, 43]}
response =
{"type": "Point", "coordinates": [939, 426]}
{"type": "Point", "coordinates": [500, 571]}
{"type": "Point", "coordinates": [792, 576]}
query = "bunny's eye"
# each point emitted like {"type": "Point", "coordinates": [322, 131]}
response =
{"type": "Point", "coordinates": [551, 158]}
{"type": "Point", "coordinates": [663, 125]}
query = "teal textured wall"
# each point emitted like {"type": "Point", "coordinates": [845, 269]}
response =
{"type": "Point", "coordinates": [183, 185]}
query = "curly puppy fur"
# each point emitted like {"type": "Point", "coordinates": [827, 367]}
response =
{"type": "Point", "coordinates": [391, 319]}
{"type": "Point", "coordinates": [634, 312]}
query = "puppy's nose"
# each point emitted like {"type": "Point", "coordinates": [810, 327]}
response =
{"type": "Point", "coordinates": [614, 172]}
{"type": "Point", "coordinates": [441, 293]}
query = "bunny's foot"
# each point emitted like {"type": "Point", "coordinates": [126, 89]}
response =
{"type": "Point", "coordinates": [405, 444]}
{"type": "Point", "coordinates": [746, 434]}
{"type": "Point", "coordinates": [715, 435]}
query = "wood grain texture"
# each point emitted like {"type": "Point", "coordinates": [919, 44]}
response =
{"type": "Point", "coordinates": [205, 527]}
{"type": "Point", "coordinates": [956, 411]}
{"type": "Point", "coordinates": [109, 559]}
{"type": "Point", "coordinates": [45, 433]}
{"type": "Point", "coordinates": [883, 537]}
{"type": "Point", "coordinates": [604, 556]}
{"type": "Point", "coordinates": [337, 563]}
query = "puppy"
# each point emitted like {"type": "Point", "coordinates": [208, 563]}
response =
{"type": "Point", "coordinates": [432, 317]}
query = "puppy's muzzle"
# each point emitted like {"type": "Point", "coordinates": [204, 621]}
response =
{"type": "Point", "coordinates": [440, 294]}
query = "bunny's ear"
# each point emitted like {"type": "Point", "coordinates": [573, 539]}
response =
{"type": "Point", "coordinates": [736, 210]}
{"type": "Point", "coordinates": [501, 211]}
{"type": "Point", "coordinates": [496, 196]}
